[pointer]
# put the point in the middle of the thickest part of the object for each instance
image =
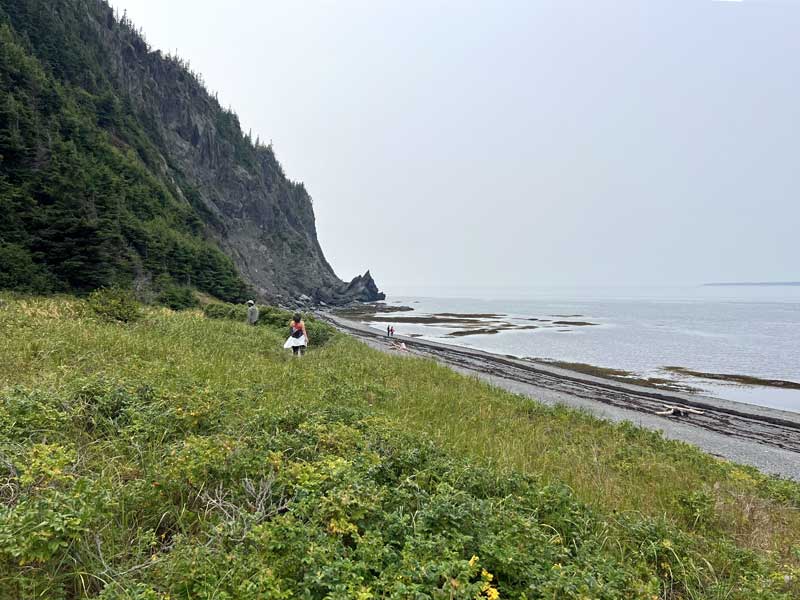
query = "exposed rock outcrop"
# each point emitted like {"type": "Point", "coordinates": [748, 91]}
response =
{"type": "Point", "coordinates": [361, 289]}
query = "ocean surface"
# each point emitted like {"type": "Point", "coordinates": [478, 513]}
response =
{"type": "Point", "coordinates": [751, 330]}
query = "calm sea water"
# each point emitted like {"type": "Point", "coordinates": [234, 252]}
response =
{"type": "Point", "coordinates": [738, 330]}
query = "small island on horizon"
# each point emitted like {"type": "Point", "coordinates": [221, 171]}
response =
{"type": "Point", "coordinates": [752, 283]}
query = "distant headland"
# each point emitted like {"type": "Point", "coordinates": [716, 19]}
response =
{"type": "Point", "coordinates": [753, 283]}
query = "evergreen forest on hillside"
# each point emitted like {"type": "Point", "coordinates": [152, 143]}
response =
{"type": "Point", "coordinates": [84, 200]}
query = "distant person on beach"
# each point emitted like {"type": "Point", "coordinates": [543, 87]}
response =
{"type": "Point", "coordinates": [252, 312]}
{"type": "Point", "coordinates": [298, 338]}
{"type": "Point", "coordinates": [391, 331]}
{"type": "Point", "coordinates": [388, 331]}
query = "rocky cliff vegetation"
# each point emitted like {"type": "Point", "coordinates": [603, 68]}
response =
{"type": "Point", "coordinates": [117, 166]}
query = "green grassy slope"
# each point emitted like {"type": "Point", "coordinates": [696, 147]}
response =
{"type": "Point", "coordinates": [179, 456]}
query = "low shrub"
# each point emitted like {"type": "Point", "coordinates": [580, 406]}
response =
{"type": "Point", "coordinates": [177, 297]}
{"type": "Point", "coordinates": [319, 333]}
{"type": "Point", "coordinates": [697, 509]}
{"type": "Point", "coordinates": [274, 317]}
{"type": "Point", "coordinates": [115, 304]}
{"type": "Point", "coordinates": [231, 312]}
{"type": "Point", "coordinates": [312, 503]}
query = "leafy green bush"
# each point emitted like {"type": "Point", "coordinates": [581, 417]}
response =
{"type": "Point", "coordinates": [115, 304]}
{"type": "Point", "coordinates": [219, 310]}
{"type": "Point", "coordinates": [177, 297]}
{"type": "Point", "coordinates": [697, 509]}
{"type": "Point", "coordinates": [274, 317]}
{"type": "Point", "coordinates": [319, 333]}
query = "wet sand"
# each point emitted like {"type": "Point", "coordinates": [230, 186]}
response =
{"type": "Point", "coordinates": [765, 438]}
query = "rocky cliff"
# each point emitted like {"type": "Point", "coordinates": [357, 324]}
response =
{"type": "Point", "coordinates": [234, 185]}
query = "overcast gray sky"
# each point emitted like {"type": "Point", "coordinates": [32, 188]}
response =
{"type": "Point", "coordinates": [520, 143]}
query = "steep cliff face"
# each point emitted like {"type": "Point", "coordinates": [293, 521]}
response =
{"type": "Point", "coordinates": [262, 220]}
{"type": "Point", "coordinates": [258, 217]}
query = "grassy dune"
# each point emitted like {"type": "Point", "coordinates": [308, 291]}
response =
{"type": "Point", "coordinates": [179, 456]}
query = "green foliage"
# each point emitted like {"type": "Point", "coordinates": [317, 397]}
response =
{"type": "Point", "coordinates": [177, 297]}
{"type": "Point", "coordinates": [232, 312]}
{"type": "Point", "coordinates": [698, 508]}
{"type": "Point", "coordinates": [19, 272]}
{"type": "Point", "coordinates": [274, 317]}
{"type": "Point", "coordinates": [84, 196]}
{"type": "Point", "coordinates": [115, 304]}
{"type": "Point", "coordinates": [319, 333]}
{"type": "Point", "coordinates": [191, 457]}
{"type": "Point", "coordinates": [314, 502]}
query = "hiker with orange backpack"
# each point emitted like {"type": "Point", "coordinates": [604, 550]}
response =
{"type": "Point", "coordinates": [298, 337]}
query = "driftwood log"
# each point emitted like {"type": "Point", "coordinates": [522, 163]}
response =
{"type": "Point", "coordinates": [676, 409]}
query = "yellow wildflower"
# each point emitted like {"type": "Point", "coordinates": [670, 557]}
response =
{"type": "Point", "coordinates": [473, 560]}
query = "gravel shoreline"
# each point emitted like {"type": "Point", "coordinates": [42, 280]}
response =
{"type": "Point", "coordinates": [765, 438]}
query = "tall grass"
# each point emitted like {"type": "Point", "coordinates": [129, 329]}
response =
{"type": "Point", "coordinates": [183, 384]}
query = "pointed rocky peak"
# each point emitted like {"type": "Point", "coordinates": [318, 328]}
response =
{"type": "Point", "coordinates": [363, 289]}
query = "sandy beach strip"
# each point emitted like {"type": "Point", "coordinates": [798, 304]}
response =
{"type": "Point", "coordinates": [765, 438]}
